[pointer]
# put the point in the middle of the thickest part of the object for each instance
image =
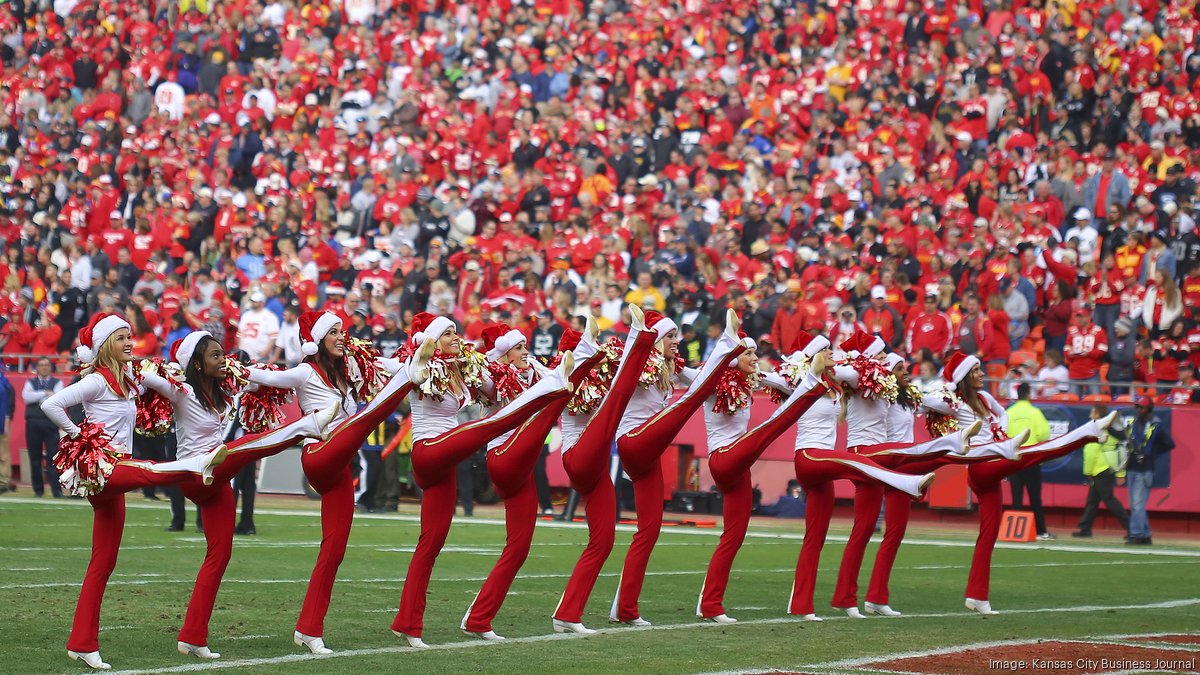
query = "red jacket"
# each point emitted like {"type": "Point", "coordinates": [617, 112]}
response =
{"type": "Point", "coordinates": [1085, 350]}
{"type": "Point", "coordinates": [885, 323]}
{"type": "Point", "coordinates": [930, 330]}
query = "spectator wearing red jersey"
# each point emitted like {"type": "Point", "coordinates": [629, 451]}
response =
{"type": "Point", "coordinates": [1056, 317]}
{"type": "Point", "coordinates": [930, 329]}
{"type": "Point", "coordinates": [1187, 390]}
{"type": "Point", "coordinates": [47, 334]}
{"type": "Point", "coordinates": [998, 347]}
{"type": "Point", "coordinates": [788, 325]}
{"type": "Point", "coordinates": [882, 320]}
{"type": "Point", "coordinates": [1104, 291]}
{"type": "Point", "coordinates": [1087, 345]}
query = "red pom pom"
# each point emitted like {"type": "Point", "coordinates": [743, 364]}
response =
{"type": "Point", "coordinates": [363, 373]}
{"type": "Point", "coordinates": [259, 409]}
{"type": "Point", "coordinates": [507, 381]}
{"type": "Point", "coordinates": [85, 461]}
{"type": "Point", "coordinates": [734, 391]}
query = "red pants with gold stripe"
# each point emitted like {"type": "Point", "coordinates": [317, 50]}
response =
{"type": "Point", "coordinates": [327, 468]}
{"type": "Point", "coordinates": [816, 469]}
{"type": "Point", "coordinates": [986, 479]}
{"type": "Point", "coordinates": [587, 465]}
{"type": "Point", "coordinates": [730, 467]}
{"type": "Point", "coordinates": [641, 452]}
{"type": "Point", "coordinates": [510, 467]}
{"type": "Point", "coordinates": [217, 510]}
{"type": "Point", "coordinates": [434, 461]}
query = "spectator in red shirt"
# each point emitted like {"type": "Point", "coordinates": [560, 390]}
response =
{"type": "Point", "coordinates": [930, 329]}
{"type": "Point", "coordinates": [882, 320]}
{"type": "Point", "coordinates": [788, 325]}
{"type": "Point", "coordinates": [1087, 345]}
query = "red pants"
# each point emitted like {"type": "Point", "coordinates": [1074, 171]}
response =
{"type": "Point", "coordinates": [816, 470]}
{"type": "Point", "coordinates": [910, 458]}
{"type": "Point", "coordinates": [730, 467]}
{"type": "Point", "coordinates": [510, 467]}
{"type": "Point", "coordinates": [434, 463]}
{"type": "Point", "coordinates": [217, 510]}
{"type": "Point", "coordinates": [641, 451]}
{"type": "Point", "coordinates": [586, 464]}
{"type": "Point", "coordinates": [108, 524]}
{"type": "Point", "coordinates": [987, 479]}
{"type": "Point", "coordinates": [327, 468]}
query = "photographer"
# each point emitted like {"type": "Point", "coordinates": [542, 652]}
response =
{"type": "Point", "coordinates": [1147, 440]}
{"type": "Point", "coordinates": [1103, 468]}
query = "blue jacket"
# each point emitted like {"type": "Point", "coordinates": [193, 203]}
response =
{"type": "Point", "coordinates": [1118, 192]}
{"type": "Point", "coordinates": [1147, 440]}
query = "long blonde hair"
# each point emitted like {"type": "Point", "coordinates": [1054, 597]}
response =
{"type": "Point", "coordinates": [108, 357]}
{"type": "Point", "coordinates": [667, 372]}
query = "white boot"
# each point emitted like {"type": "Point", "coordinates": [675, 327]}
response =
{"type": "Point", "coordinates": [881, 610]}
{"type": "Point", "coordinates": [922, 488]}
{"type": "Point", "coordinates": [732, 325]}
{"type": "Point", "coordinates": [199, 651]}
{"type": "Point", "coordinates": [591, 330]}
{"type": "Point", "coordinates": [981, 606]}
{"type": "Point", "coordinates": [489, 636]}
{"type": "Point", "coordinates": [1105, 422]}
{"type": "Point", "coordinates": [968, 434]}
{"type": "Point", "coordinates": [639, 622]}
{"type": "Point", "coordinates": [413, 641]}
{"type": "Point", "coordinates": [573, 626]}
{"type": "Point", "coordinates": [315, 644]}
{"type": "Point", "coordinates": [565, 369]}
{"type": "Point", "coordinates": [1012, 449]}
{"type": "Point", "coordinates": [424, 353]}
{"type": "Point", "coordinates": [853, 613]}
{"type": "Point", "coordinates": [637, 319]}
{"type": "Point", "coordinates": [92, 659]}
{"type": "Point", "coordinates": [325, 420]}
{"type": "Point", "coordinates": [811, 617]}
{"type": "Point", "coordinates": [211, 461]}
{"type": "Point", "coordinates": [721, 618]}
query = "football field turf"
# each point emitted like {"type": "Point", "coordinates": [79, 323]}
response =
{"type": "Point", "coordinates": [1062, 590]}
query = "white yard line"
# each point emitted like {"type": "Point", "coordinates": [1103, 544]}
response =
{"type": "Point", "coordinates": [850, 663]}
{"type": "Point", "coordinates": [684, 531]}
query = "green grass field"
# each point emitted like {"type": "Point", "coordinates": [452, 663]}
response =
{"type": "Point", "coordinates": [1054, 590]}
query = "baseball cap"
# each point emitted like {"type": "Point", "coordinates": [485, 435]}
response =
{"type": "Point", "coordinates": [1145, 402]}
{"type": "Point", "coordinates": [257, 296]}
{"type": "Point", "coordinates": [878, 292]}
{"type": "Point", "coordinates": [1083, 214]}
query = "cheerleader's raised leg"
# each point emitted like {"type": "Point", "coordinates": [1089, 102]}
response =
{"type": "Point", "coordinates": [587, 465]}
{"type": "Point", "coordinates": [434, 461]}
{"type": "Point", "coordinates": [730, 467]}
{"type": "Point", "coordinates": [510, 467]}
{"type": "Point", "coordinates": [326, 466]}
{"type": "Point", "coordinates": [986, 479]}
{"type": "Point", "coordinates": [641, 451]}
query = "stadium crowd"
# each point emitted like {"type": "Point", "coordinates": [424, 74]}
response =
{"type": "Point", "coordinates": [1015, 179]}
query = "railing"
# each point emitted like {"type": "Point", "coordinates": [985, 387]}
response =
{"type": "Point", "coordinates": [1005, 388]}
{"type": "Point", "coordinates": [25, 362]}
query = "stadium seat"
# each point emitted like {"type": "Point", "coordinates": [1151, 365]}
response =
{"type": "Point", "coordinates": [1125, 398]}
{"type": "Point", "coordinates": [1035, 333]}
{"type": "Point", "coordinates": [1065, 397]}
{"type": "Point", "coordinates": [1097, 398]}
{"type": "Point", "coordinates": [1021, 356]}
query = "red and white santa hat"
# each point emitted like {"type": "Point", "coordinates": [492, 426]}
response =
{"type": "Point", "coordinates": [183, 349]}
{"type": "Point", "coordinates": [498, 338]}
{"type": "Point", "coordinates": [862, 343]}
{"type": "Point", "coordinates": [660, 323]}
{"type": "Point", "coordinates": [569, 340]}
{"type": "Point", "coordinates": [426, 325]}
{"type": "Point", "coordinates": [957, 366]}
{"type": "Point", "coordinates": [96, 333]}
{"type": "Point", "coordinates": [892, 361]}
{"type": "Point", "coordinates": [811, 345]}
{"type": "Point", "coordinates": [314, 326]}
{"type": "Point", "coordinates": [745, 340]}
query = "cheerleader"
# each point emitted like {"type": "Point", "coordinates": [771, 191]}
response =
{"type": "Point", "coordinates": [202, 412]}
{"type": "Point", "coordinates": [733, 450]}
{"type": "Point", "coordinates": [512, 455]}
{"type": "Point", "coordinates": [648, 427]}
{"type": "Point", "coordinates": [588, 429]}
{"type": "Point", "coordinates": [964, 400]}
{"type": "Point", "coordinates": [818, 464]}
{"type": "Point", "coordinates": [867, 419]}
{"type": "Point", "coordinates": [328, 377]}
{"type": "Point", "coordinates": [94, 462]}
{"type": "Point", "coordinates": [445, 385]}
